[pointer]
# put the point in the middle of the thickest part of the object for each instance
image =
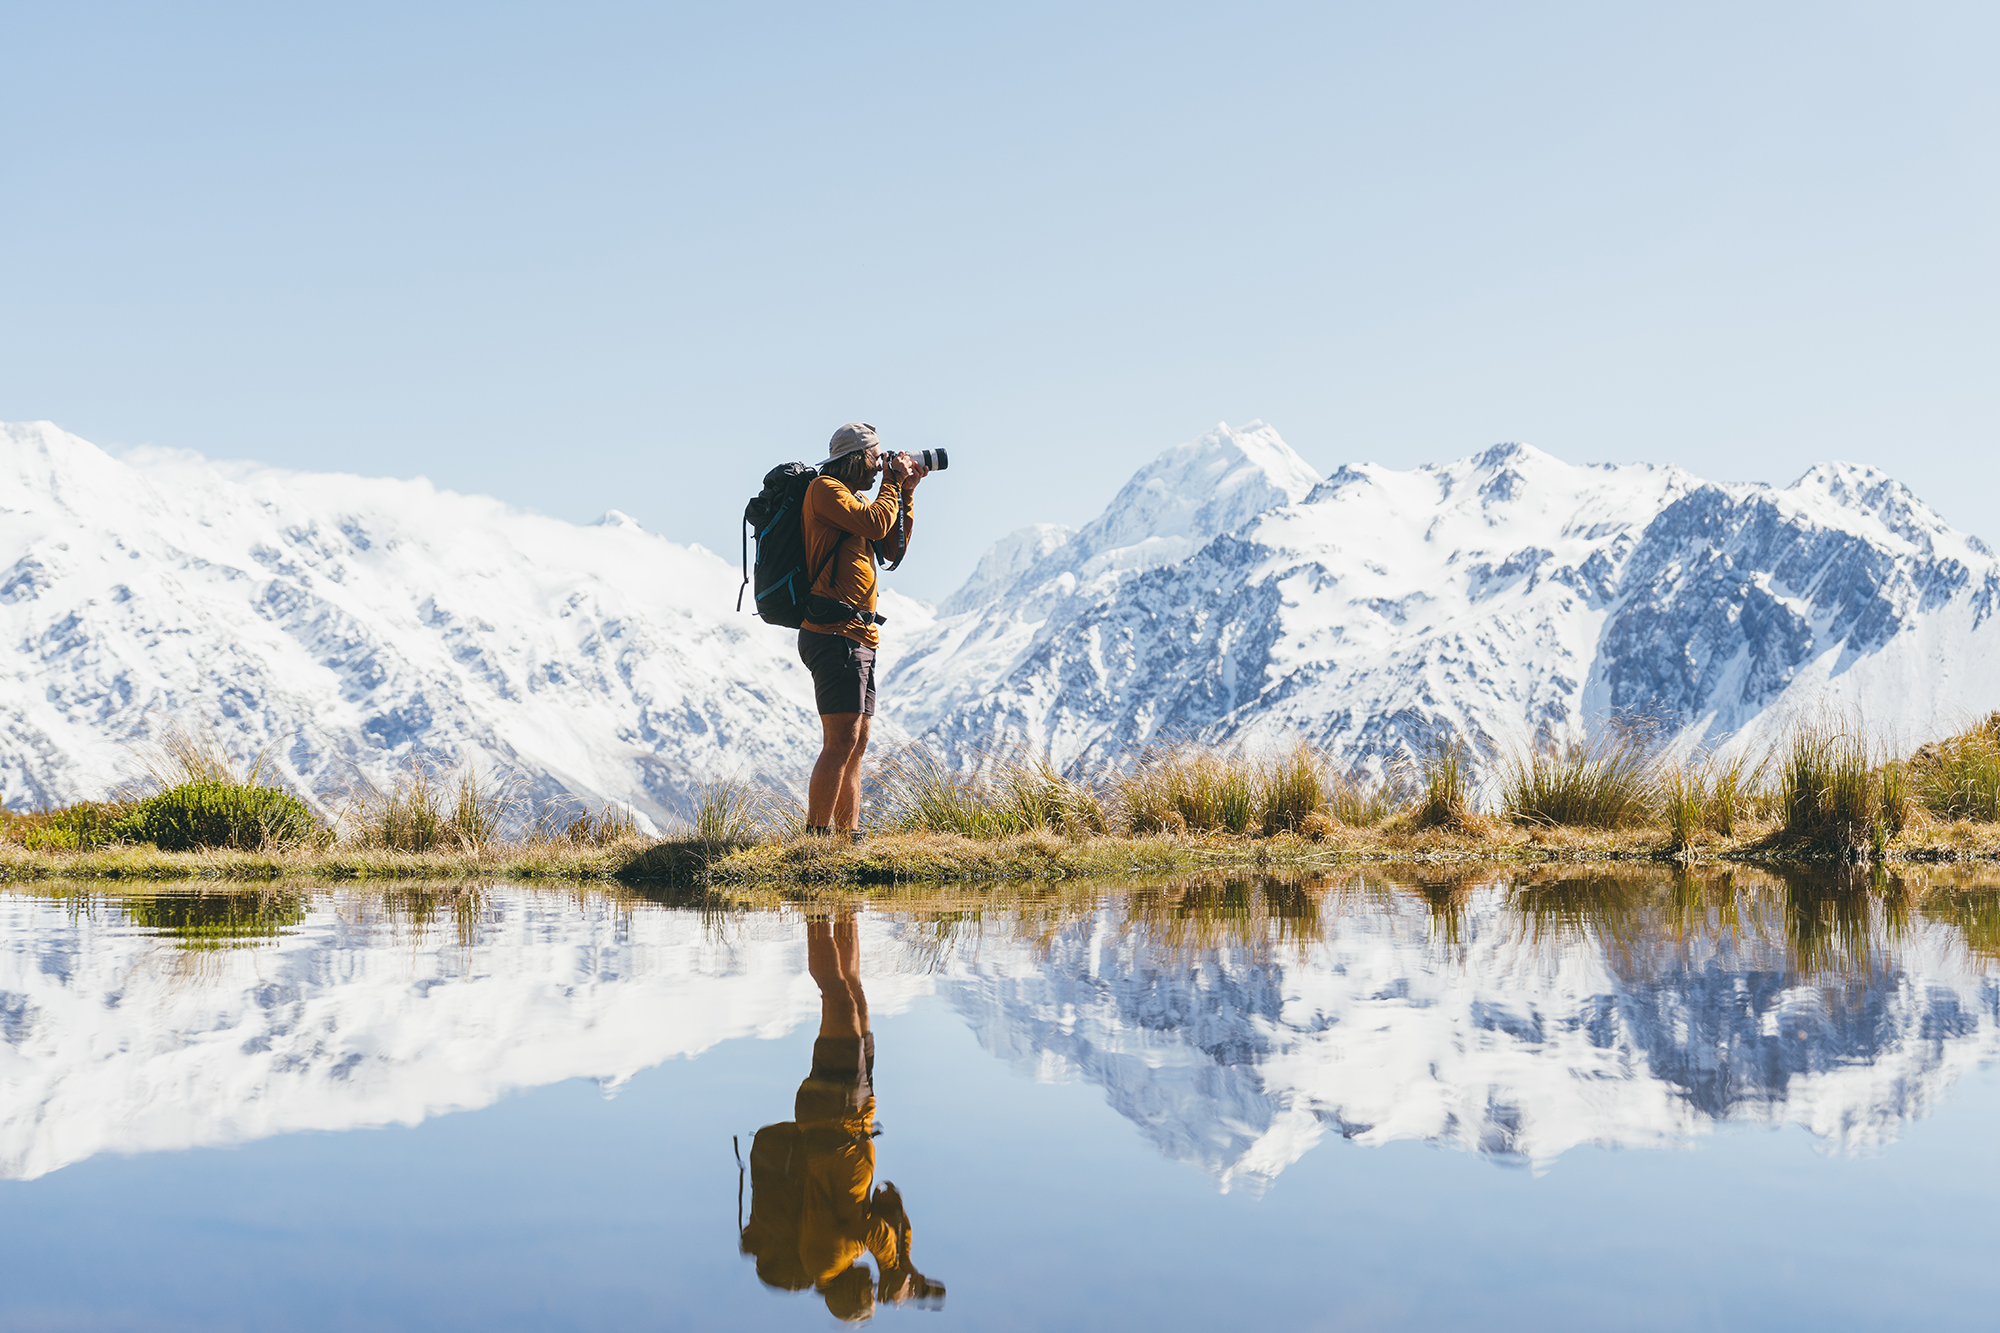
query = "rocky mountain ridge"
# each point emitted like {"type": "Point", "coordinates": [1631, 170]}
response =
{"type": "Point", "coordinates": [1507, 597]}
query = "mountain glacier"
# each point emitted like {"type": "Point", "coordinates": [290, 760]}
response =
{"type": "Point", "coordinates": [348, 626]}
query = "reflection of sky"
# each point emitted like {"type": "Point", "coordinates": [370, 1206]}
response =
{"type": "Point", "coordinates": [560, 1206]}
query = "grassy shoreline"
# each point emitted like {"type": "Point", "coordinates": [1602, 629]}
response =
{"type": "Point", "coordinates": [924, 857]}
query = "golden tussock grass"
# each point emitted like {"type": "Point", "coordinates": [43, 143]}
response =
{"type": "Point", "coordinates": [1826, 792]}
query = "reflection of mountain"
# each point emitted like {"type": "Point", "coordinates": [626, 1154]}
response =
{"type": "Point", "coordinates": [113, 1039]}
{"type": "Point", "coordinates": [1235, 1029]}
{"type": "Point", "coordinates": [1240, 1056]}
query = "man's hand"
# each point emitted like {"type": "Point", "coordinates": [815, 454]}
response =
{"type": "Point", "coordinates": [908, 471]}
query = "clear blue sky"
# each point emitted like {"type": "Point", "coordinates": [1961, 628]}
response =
{"type": "Point", "coordinates": [586, 256]}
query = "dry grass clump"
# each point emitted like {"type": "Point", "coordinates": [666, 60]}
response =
{"type": "Point", "coordinates": [1733, 788]}
{"type": "Point", "coordinates": [1684, 799]}
{"type": "Point", "coordinates": [1826, 787]}
{"type": "Point", "coordinates": [1959, 778]}
{"type": "Point", "coordinates": [1442, 777]}
{"type": "Point", "coordinates": [1014, 793]}
{"type": "Point", "coordinates": [731, 812]}
{"type": "Point", "coordinates": [1705, 794]}
{"type": "Point", "coordinates": [432, 808]}
{"type": "Point", "coordinates": [1292, 788]}
{"type": "Point", "coordinates": [1186, 789]}
{"type": "Point", "coordinates": [1607, 780]}
{"type": "Point", "coordinates": [569, 822]}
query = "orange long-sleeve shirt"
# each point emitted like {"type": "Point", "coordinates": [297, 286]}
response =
{"type": "Point", "coordinates": [836, 1222]}
{"type": "Point", "coordinates": [831, 510]}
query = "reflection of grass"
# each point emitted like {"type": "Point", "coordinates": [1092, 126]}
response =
{"type": "Point", "coordinates": [1606, 906]}
{"type": "Point", "coordinates": [1227, 912]}
{"type": "Point", "coordinates": [1972, 910]}
{"type": "Point", "coordinates": [1829, 924]}
{"type": "Point", "coordinates": [215, 920]}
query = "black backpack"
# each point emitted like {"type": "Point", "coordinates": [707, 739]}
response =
{"type": "Point", "coordinates": [783, 581]}
{"type": "Point", "coordinates": [772, 516]}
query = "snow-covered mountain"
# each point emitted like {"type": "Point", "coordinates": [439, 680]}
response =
{"type": "Point", "coordinates": [1505, 596]}
{"type": "Point", "coordinates": [349, 624]}
{"type": "Point", "coordinates": [1226, 592]}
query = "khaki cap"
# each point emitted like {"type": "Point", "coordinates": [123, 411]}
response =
{"type": "Point", "coordinates": [852, 438]}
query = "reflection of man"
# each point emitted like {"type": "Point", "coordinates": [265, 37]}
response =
{"type": "Point", "coordinates": [811, 1213]}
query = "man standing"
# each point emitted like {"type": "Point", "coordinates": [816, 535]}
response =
{"type": "Point", "coordinates": [843, 532]}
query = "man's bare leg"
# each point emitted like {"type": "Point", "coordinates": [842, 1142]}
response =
{"type": "Point", "coordinates": [847, 804]}
{"type": "Point", "coordinates": [833, 797]}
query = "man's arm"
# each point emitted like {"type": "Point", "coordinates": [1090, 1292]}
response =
{"type": "Point", "coordinates": [836, 506]}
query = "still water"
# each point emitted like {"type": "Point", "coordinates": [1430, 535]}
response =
{"type": "Point", "coordinates": [1378, 1100]}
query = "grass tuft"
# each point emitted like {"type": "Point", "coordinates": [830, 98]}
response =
{"type": "Point", "coordinates": [730, 813]}
{"type": "Point", "coordinates": [1607, 780]}
{"type": "Point", "coordinates": [1184, 789]}
{"type": "Point", "coordinates": [1826, 788]}
{"type": "Point", "coordinates": [1959, 778]}
{"type": "Point", "coordinates": [1443, 781]}
{"type": "Point", "coordinates": [916, 790]}
{"type": "Point", "coordinates": [432, 809]}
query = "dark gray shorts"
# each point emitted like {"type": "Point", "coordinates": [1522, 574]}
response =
{"type": "Point", "coordinates": [843, 672]}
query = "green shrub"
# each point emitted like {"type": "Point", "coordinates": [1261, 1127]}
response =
{"type": "Point", "coordinates": [219, 814]}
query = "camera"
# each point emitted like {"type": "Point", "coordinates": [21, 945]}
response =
{"type": "Point", "coordinates": [933, 460]}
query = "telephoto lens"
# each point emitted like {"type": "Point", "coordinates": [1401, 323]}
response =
{"type": "Point", "coordinates": [935, 460]}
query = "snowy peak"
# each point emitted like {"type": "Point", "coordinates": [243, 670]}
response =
{"type": "Point", "coordinates": [1189, 495]}
{"type": "Point", "coordinates": [1870, 502]}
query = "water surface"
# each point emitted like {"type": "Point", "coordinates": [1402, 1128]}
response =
{"type": "Point", "coordinates": [1381, 1100]}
